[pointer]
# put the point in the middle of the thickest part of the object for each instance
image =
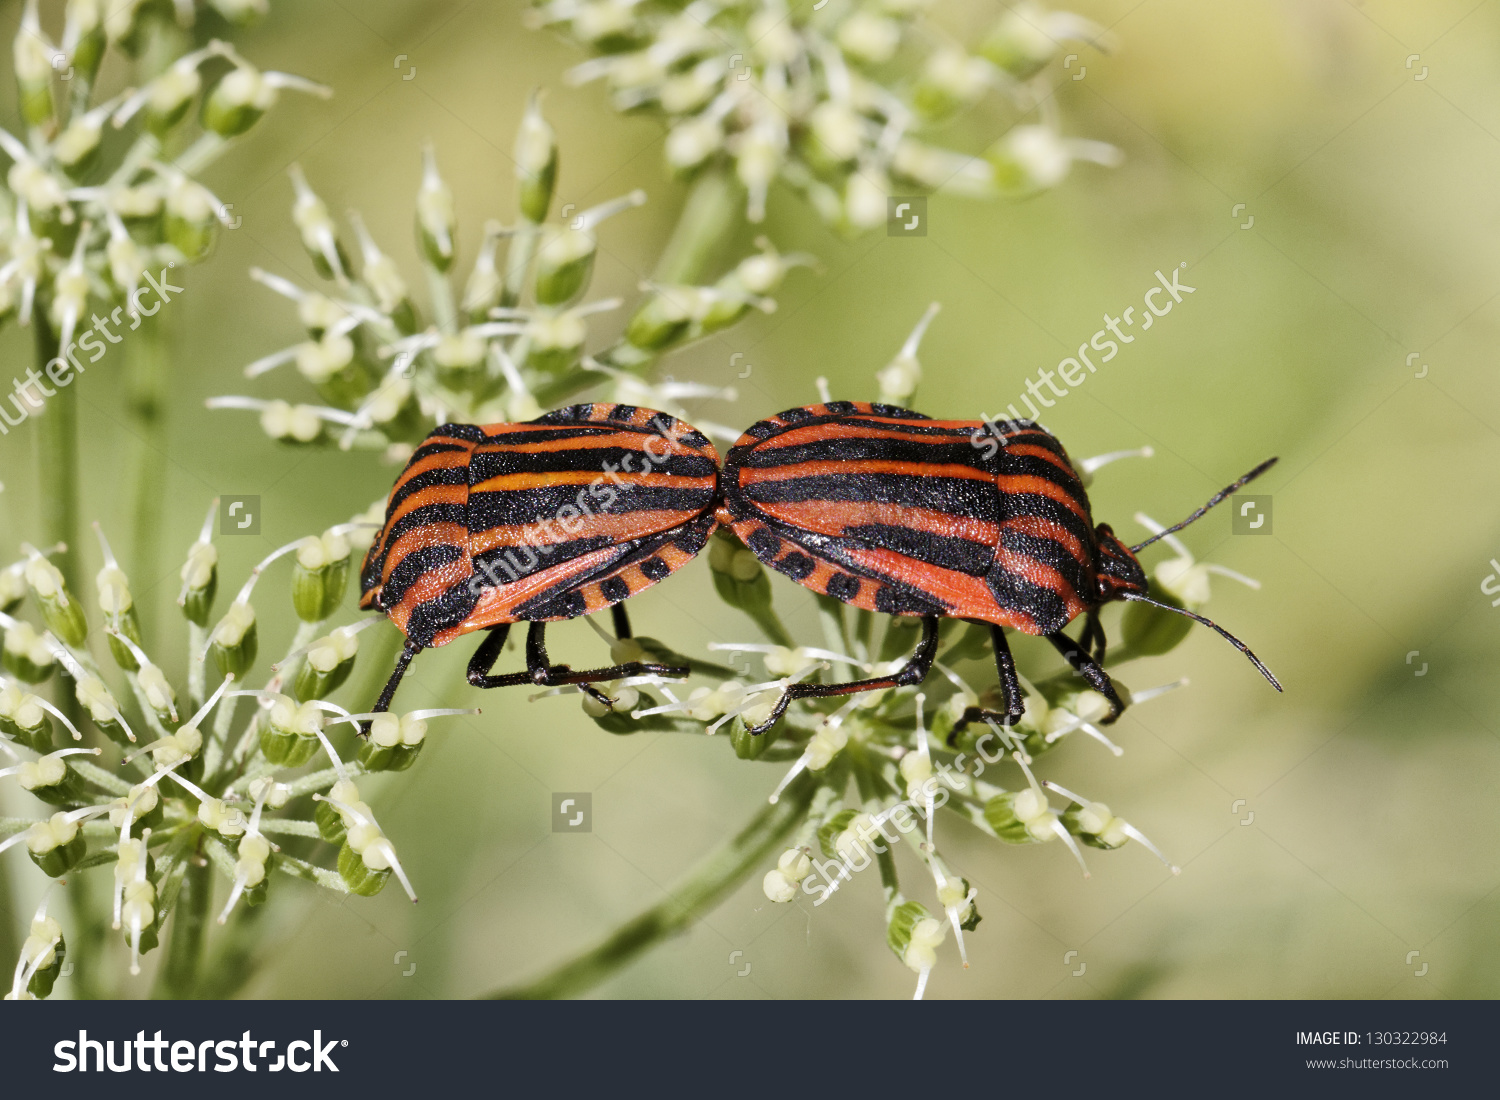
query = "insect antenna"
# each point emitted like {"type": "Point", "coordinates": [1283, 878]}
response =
{"type": "Point", "coordinates": [1217, 498]}
{"type": "Point", "coordinates": [1228, 637]}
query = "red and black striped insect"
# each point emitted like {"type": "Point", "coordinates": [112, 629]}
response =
{"type": "Point", "coordinates": [558, 517]}
{"type": "Point", "coordinates": [890, 511]}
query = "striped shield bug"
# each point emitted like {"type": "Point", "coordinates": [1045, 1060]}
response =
{"type": "Point", "coordinates": [558, 517]}
{"type": "Point", "coordinates": [890, 511]}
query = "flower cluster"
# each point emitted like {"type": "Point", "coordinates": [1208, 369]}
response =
{"type": "Point", "coordinates": [176, 773]}
{"type": "Point", "coordinates": [836, 98]}
{"type": "Point", "coordinates": [82, 217]}
{"type": "Point", "coordinates": [872, 770]}
{"type": "Point", "coordinates": [507, 342]}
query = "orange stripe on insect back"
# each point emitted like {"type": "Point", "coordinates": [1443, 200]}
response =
{"type": "Point", "coordinates": [835, 517]}
{"type": "Point", "coordinates": [429, 586]}
{"type": "Point", "coordinates": [1046, 529]}
{"type": "Point", "coordinates": [1043, 576]}
{"type": "Point", "coordinates": [819, 433]}
{"type": "Point", "coordinates": [1034, 450]}
{"type": "Point", "coordinates": [587, 438]}
{"type": "Point", "coordinates": [433, 494]}
{"type": "Point", "coordinates": [419, 538]}
{"type": "Point", "coordinates": [547, 479]}
{"type": "Point", "coordinates": [497, 603]}
{"type": "Point", "coordinates": [439, 460]}
{"type": "Point", "coordinates": [964, 596]}
{"type": "Point", "coordinates": [1040, 486]}
{"type": "Point", "coordinates": [626, 525]}
{"type": "Point", "coordinates": [751, 474]}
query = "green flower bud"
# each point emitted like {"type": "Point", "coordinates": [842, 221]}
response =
{"type": "Point", "coordinates": [171, 94]}
{"type": "Point", "coordinates": [394, 743]}
{"type": "Point", "coordinates": [830, 831]}
{"type": "Point", "coordinates": [12, 587]}
{"type": "Point", "coordinates": [1095, 825]}
{"type": "Point", "coordinates": [664, 318]}
{"type": "Point", "coordinates": [290, 737]}
{"type": "Point", "coordinates": [320, 576]}
{"type": "Point", "coordinates": [554, 340]}
{"type": "Point", "coordinates": [564, 264]}
{"type": "Point", "coordinates": [23, 718]}
{"type": "Point", "coordinates": [869, 37]}
{"type": "Point", "coordinates": [950, 81]}
{"type": "Point", "coordinates": [55, 845]}
{"type": "Point", "coordinates": [84, 28]}
{"type": "Point", "coordinates": [147, 810]}
{"type": "Point", "coordinates": [910, 935]}
{"type": "Point", "coordinates": [360, 878]}
{"type": "Point", "coordinates": [95, 697]}
{"type": "Point", "coordinates": [191, 219]}
{"type": "Point", "coordinates": [33, 54]}
{"type": "Point", "coordinates": [749, 746]}
{"type": "Point", "coordinates": [460, 352]}
{"type": "Point", "coordinates": [1032, 159]}
{"type": "Point", "coordinates": [61, 611]}
{"type": "Point", "coordinates": [436, 223]}
{"type": "Point", "coordinates": [319, 236]}
{"type": "Point", "coordinates": [26, 654]}
{"type": "Point", "coordinates": [241, 12]}
{"type": "Point", "coordinates": [77, 147]}
{"type": "Point", "coordinates": [1027, 37]}
{"type": "Point", "coordinates": [200, 582]}
{"type": "Point", "coordinates": [50, 779]}
{"type": "Point", "coordinates": [536, 162]}
{"type": "Point", "coordinates": [237, 102]}
{"type": "Point", "coordinates": [1020, 817]}
{"type": "Point", "coordinates": [565, 260]}
{"type": "Point", "coordinates": [327, 664]}
{"type": "Point", "coordinates": [234, 642]}
{"type": "Point", "coordinates": [43, 954]}
{"type": "Point", "coordinates": [739, 579]}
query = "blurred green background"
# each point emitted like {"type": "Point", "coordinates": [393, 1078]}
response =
{"type": "Point", "coordinates": [1370, 184]}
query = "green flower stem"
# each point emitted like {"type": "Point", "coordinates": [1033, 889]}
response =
{"type": "Point", "coordinates": [712, 216]}
{"type": "Point", "coordinates": [57, 460]}
{"type": "Point", "coordinates": [184, 950]}
{"type": "Point", "coordinates": [11, 917]}
{"type": "Point", "coordinates": [145, 398]}
{"type": "Point", "coordinates": [704, 887]}
{"type": "Point", "coordinates": [518, 262]}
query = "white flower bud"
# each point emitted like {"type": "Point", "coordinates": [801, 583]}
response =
{"type": "Point", "coordinates": [47, 771]}
{"type": "Point", "coordinates": [778, 888]}
{"type": "Point", "coordinates": [869, 37]}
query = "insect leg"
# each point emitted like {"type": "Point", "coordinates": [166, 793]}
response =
{"type": "Point", "coordinates": [387, 693]}
{"type": "Point", "coordinates": [485, 657]}
{"type": "Point", "coordinates": [1010, 689]}
{"type": "Point", "coordinates": [1091, 671]}
{"type": "Point", "coordinates": [1092, 636]}
{"type": "Point", "coordinates": [913, 672]}
{"type": "Point", "coordinates": [621, 619]}
{"type": "Point", "coordinates": [541, 671]}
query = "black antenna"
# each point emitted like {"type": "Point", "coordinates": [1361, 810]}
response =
{"type": "Point", "coordinates": [1217, 498]}
{"type": "Point", "coordinates": [1228, 637]}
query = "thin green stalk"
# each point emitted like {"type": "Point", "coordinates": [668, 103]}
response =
{"type": "Point", "coordinates": [183, 953]}
{"type": "Point", "coordinates": [11, 918]}
{"type": "Point", "coordinates": [145, 389]}
{"type": "Point", "coordinates": [57, 460]}
{"type": "Point", "coordinates": [713, 214]}
{"type": "Point", "coordinates": [705, 885]}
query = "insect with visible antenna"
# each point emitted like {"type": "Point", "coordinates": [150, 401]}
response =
{"type": "Point", "coordinates": [539, 522]}
{"type": "Point", "coordinates": [887, 510]}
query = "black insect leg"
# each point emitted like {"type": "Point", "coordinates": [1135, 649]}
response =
{"type": "Point", "coordinates": [1010, 689]}
{"type": "Point", "coordinates": [621, 619]}
{"type": "Point", "coordinates": [1092, 636]}
{"type": "Point", "coordinates": [387, 693]}
{"type": "Point", "coordinates": [1091, 671]}
{"type": "Point", "coordinates": [539, 670]}
{"type": "Point", "coordinates": [913, 672]}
